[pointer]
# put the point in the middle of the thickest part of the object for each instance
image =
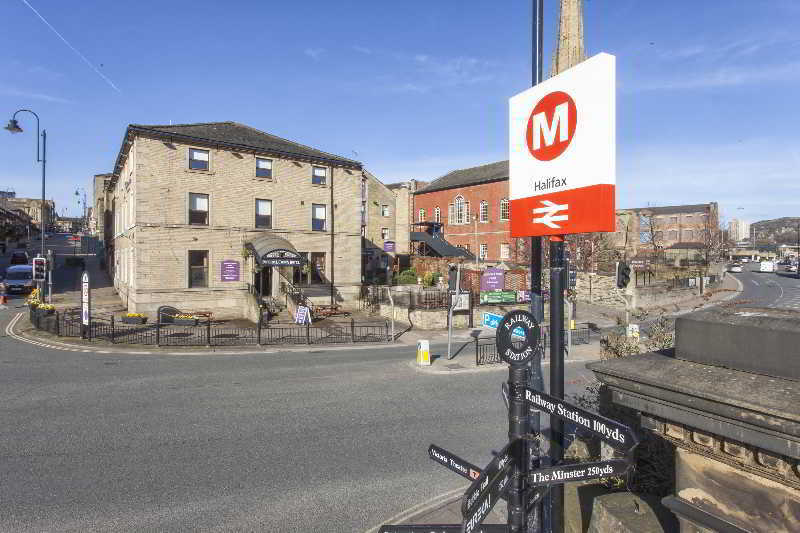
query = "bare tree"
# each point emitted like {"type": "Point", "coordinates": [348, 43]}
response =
{"type": "Point", "coordinates": [711, 241]}
{"type": "Point", "coordinates": [650, 235]}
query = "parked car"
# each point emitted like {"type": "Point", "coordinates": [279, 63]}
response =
{"type": "Point", "coordinates": [745, 260]}
{"type": "Point", "coordinates": [736, 267]}
{"type": "Point", "coordinates": [791, 268]}
{"type": "Point", "coordinates": [20, 257]}
{"type": "Point", "coordinates": [766, 266]}
{"type": "Point", "coordinates": [19, 278]}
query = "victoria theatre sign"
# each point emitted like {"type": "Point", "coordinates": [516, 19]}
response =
{"type": "Point", "coordinates": [280, 258]}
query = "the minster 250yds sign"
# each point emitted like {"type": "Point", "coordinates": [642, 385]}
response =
{"type": "Point", "coordinates": [562, 143]}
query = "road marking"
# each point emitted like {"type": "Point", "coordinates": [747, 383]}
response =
{"type": "Point", "coordinates": [754, 282]}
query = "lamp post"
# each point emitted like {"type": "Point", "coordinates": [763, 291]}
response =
{"type": "Point", "coordinates": [85, 222]}
{"type": "Point", "coordinates": [14, 127]}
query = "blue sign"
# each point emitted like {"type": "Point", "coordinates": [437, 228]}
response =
{"type": "Point", "coordinates": [492, 320]}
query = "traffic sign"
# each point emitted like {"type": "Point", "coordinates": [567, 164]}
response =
{"type": "Point", "coordinates": [454, 462]}
{"type": "Point", "coordinates": [617, 435]}
{"type": "Point", "coordinates": [508, 326]}
{"type": "Point", "coordinates": [556, 475]}
{"type": "Point", "coordinates": [562, 152]}
{"type": "Point", "coordinates": [85, 299]}
{"type": "Point", "coordinates": [497, 466]}
{"type": "Point", "coordinates": [486, 501]}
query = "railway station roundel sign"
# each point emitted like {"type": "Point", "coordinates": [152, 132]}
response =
{"type": "Point", "coordinates": [523, 325]}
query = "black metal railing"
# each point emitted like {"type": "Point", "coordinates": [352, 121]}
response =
{"type": "Point", "coordinates": [105, 327]}
{"type": "Point", "coordinates": [486, 348]}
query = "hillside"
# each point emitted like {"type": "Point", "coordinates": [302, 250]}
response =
{"type": "Point", "coordinates": [778, 230]}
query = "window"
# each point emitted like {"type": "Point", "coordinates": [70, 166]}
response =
{"type": "Point", "coordinates": [198, 268]}
{"type": "Point", "coordinates": [673, 235]}
{"type": "Point", "coordinates": [458, 211]}
{"type": "Point", "coordinates": [484, 211]}
{"type": "Point", "coordinates": [198, 159]}
{"type": "Point", "coordinates": [505, 250]}
{"type": "Point", "coordinates": [384, 233]}
{"type": "Point", "coordinates": [264, 214]}
{"type": "Point", "coordinates": [319, 175]}
{"type": "Point", "coordinates": [318, 217]}
{"type": "Point", "coordinates": [263, 168]}
{"type": "Point", "coordinates": [421, 216]}
{"type": "Point", "coordinates": [384, 210]}
{"type": "Point", "coordinates": [198, 209]}
{"type": "Point", "coordinates": [673, 220]}
{"type": "Point", "coordinates": [504, 209]}
{"type": "Point", "coordinates": [484, 251]}
{"type": "Point", "coordinates": [688, 235]}
{"type": "Point", "coordinates": [437, 214]}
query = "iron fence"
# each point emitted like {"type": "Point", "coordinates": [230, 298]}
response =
{"type": "Point", "coordinates": [486, 348]}
{"type": "Point", "coordinates": [105, 327]}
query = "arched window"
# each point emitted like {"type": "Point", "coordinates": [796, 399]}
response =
{"type": "Point", "coordinates": [421, 217]}
{"type": "Point", "coordinates": [504, 215]}
{"type": "Point", "coordinates": [484, 213]}
{"type": "Point", "coordinates": [437, 214]}
{"type": "Point", "coordinates": [458, 211]}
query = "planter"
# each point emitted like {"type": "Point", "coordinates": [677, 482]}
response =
{"type": "Point", "coordinates": [138, 320]}
{"type": "Point", "coordinates": [45, 311]}
{"type": "Point", "coordinates": [185, 321]}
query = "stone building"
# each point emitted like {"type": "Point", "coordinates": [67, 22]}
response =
{"type": "Point", "coordinates": [97, 219]}
{"type": "Point", "coordinates": [33, 208]}
{"type": "Point", "coordinates": [472, 204]}
{"type": "Point", "coordinates": [201, 216]}
{"type": "Point", "coordinates": [379, 228]}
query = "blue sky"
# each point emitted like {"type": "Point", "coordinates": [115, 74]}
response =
{"type": "Point", "coordinates": [707, 96]}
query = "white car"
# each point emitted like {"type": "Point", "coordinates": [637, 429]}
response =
{"type": "Point", "coordinates": [791, 268]}
{"type": "Point", "coordinates": [745, 260]}
{"type": "Point", "coordinates": [735, 268]}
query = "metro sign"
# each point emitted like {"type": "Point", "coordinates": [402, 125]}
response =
{"type": "Point", "coordinates": [562, 160]}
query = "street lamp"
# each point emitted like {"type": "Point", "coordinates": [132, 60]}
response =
{"type": "Point", "coordinates": [14, 127]}
{"type": "Point", "coordinates": [85, 222]}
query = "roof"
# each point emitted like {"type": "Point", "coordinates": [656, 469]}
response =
{"type": "Point", "coordinates": [686, 246]}
{"type": "Point", "coordinates": [232, 135]}
{"type": "Point", "coordinates": [675, 209]}
{"type": "Point", "coordinates": [469, 176]}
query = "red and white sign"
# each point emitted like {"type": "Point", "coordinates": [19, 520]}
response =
{"type": "Point", "coordinates": [562, 152]}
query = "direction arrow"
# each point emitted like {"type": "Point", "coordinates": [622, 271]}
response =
{"type": "Point", "coordinates": [441, 528]}
{"type": "Point", "coordinates": [486, 500]}
{"type": "Point", "coordinates": [617, 435]}
{"type": "Point", "coordinates": [556, 475]}
{"type": "Point", "coordinates": [500, 463]}
{"type": "Point", "coordinates": [550, 218]}
{"type": "Point", "coordinates": [454, 462]}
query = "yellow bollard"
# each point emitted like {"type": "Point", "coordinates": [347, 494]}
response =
{"type": "Point", "coordinates": [423, 353]}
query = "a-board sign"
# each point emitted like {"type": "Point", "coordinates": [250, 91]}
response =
{"type": "Point", "coordinates": [442, 528]}
{"type": "Point", "coordinates": [617, 435]}
{"type": "Point", "coordinates": [500, 463]}
{"type": "Point", "coordinates": [562, 152]}
{"type": "Point", "coordinates": [522, 352]}
{"type": "Point", "coordinates": [302, 315]}
{"type": "Point", "coordinates": [454, 462]}
{"type": "Point", "coordinates": [556, 475]}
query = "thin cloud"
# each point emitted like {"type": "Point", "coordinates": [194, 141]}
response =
{"type": "Point", "coordinates": [314, 53]}
{"type": "Point", "coordinates": [363, 50]}
{"type": "Point", "coordinates": [722, 77]}
{"type": "Point", "coordinates": [103, 76]}
{"type": "Point", "coordinates": [12, 91]}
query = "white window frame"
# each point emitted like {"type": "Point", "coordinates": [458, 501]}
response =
{"type": "Point", "coordinates": [271, 168]}
{"type": "Point", "coordinates": [484, 211]}
{"type": "Point", "coordinates": [385, 234]}
{"type": "Point", "coordinates": [505, 250]}
{"type": "Point", "coordinates": [271, 213]}
{"type": "Point", "coordinates": [314, 169]}
{"type": "Point", "coordinates": [483, 251]}
{"type": "Point", "coordinates": [437, 215]}
{"type": "Point", "coordinates": [189, 208]}
{"type": "Point", "coordinates": [325, 225]}
{"type": "Point", "coordinates": [505, 209]}
{"type": "Point", "coordinates": [385, 210]}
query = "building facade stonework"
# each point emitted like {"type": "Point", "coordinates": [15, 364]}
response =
{"type": "Point", "coordinates": [184, 199]}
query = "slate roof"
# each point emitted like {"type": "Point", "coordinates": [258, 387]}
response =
{"type": "Point", "coordinates": [676, 209]}
{"type": "Point", "coordinates": [469, 176]}
{"type": "Point", "coordinates": [242, 135]}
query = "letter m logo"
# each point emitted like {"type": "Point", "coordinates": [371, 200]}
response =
{"type": "Point", "coordinates": [551, 126]}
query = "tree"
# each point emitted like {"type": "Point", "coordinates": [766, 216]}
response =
{"type": "Point", "coordinates": [650, 235]}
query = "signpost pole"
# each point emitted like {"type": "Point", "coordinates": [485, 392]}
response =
{"type": "Point", "coordinates": [535, 520]}
{"type": "Point", "coordinates": [518, 427]}
{"type": "Point", "coordinates": [453, 302]}
{"type": "Point", "coordinates": [557, 275]}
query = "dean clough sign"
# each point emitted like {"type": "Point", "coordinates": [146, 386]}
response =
{"type": "Point", "coordinates": [562, 144]}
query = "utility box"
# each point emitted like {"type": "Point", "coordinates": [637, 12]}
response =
{"type": "Point", "coordinates": [423, 353]}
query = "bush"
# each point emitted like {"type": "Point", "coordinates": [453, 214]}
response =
{"type": "Point", "coordinates": [430, 279]}
{"type": "Point", "coordinates": [407, 277]}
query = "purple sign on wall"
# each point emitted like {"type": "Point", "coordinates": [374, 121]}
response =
{"type": "Point", "coordinates": [493, 279]}
{"type": "Point", "coordinates": [388, 246]}
{"type": "Point", "coordinates": [229, 270]}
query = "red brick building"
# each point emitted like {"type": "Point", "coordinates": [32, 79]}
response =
{"type": "Point", "coordinates": [472, 203]}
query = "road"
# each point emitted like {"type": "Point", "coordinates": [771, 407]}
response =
{"type": "Point", "coordinates": [780, 290]}
{"type": "Point", "coordinates": [326, 440]}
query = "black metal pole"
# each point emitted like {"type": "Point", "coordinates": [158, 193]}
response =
{"type": "Point", "coordinates": [518, 427]}
{"type": "Point", "coordinates": [797, 272]}
{"type": "Point", "coordinates": [536, 520]}
{"type": "Point", "coordinates": [557, 275]}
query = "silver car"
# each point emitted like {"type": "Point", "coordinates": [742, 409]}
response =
{"type": "Point", "coordinates": [19, 278]}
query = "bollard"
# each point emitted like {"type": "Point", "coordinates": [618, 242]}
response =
{"type": "Point", "coordinates": [423, 353]}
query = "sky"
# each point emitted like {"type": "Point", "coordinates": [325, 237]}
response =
{"type": "Point", "coordinates": [707, 92]}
